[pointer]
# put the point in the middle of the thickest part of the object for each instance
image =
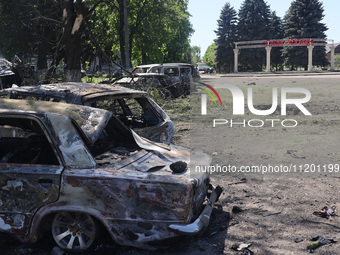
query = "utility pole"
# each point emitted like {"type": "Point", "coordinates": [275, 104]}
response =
{"type": "Point", "coordinates": [126, 28]}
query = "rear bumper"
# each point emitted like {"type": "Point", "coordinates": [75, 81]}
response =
{"type": "Point", "coordinates": [201, 223]}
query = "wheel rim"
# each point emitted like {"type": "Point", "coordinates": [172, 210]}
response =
{"type": "Point", "coordinates": [73, 231]}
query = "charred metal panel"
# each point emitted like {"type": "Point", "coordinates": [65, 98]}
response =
{"type": "Point", "coordinates": [139, 233]}
{"type": "Point", "coordinates": [130, 199]}
{"type": "Point", "coordinates": [134, 205]}
{"type": "Point", "coordinates": [26, 183]}
{"type": "Point", "coordinates": [23, 190]}
{"type": "Point", "coordinates": [91, 121]}
{"type": "Point", "coordinates": [70, 144]}
{"type": "Point", "coordinates": [72, 92]}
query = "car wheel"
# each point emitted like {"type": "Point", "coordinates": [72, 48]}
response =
{"type": "Point", "coordinates": [73, 231]}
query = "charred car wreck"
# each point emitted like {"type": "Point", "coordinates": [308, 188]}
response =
{"type": "Point", "coordinates": [74, 170]}
{"type": "Point", "coordinates": [17, 73]}
{"type": "Point", "coordinates": [171, 79]}
{"type": "Point", "coordinates": [7, 76]}
{"type": "Point", "coordinates": [133, 107]}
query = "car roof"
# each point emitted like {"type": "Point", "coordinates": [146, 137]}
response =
{"type": "Point", "coordinates": [5, 67]}
{"type": "Point", "coordinates": [164, 64]}
{"type": "Point", "coordinates": [74, 89]}
{"type": "Point", "coordinates": [91, 120]}
{"type": "Point", "coordinates": [177, 64]}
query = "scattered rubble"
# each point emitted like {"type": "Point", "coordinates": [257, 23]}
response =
{"type": "Point", "coordinates": [326, 212]}
{"type": "Point", "coordinates": [319, 241]}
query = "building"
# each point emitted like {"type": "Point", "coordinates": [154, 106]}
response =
{"type": "Point", "coordinates": [336, 51]}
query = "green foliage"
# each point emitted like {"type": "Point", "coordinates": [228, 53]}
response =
{"type": "Point", "coordinates": [226, 36]}
{"type": "Point", "coordinates": [254, 24]}
{"type": "Point", "coordinates": [337, 61]}
{"type": "Point", "coordinates": [178, 108]}
{"type": "Point", "coordinates": [303, 20]}
{"type": "Point", "coordinates": [195, 53]}
{"type": "Point", "coordinates": [276, 31]}
{"type": "Point", "coordinates": [13, 35]}
{"type": "Point", "coordinates": [25, 29]}
{"type": "Point", "coordinates": [210, 56]}
{"type": "Point", "coordinates": [159, 30]}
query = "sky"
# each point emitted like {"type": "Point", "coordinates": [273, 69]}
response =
{"type": "Point", "coordinates": [205, 13]}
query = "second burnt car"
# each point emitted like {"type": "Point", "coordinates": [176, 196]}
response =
{"type": "Point", "coordinates": [133, 107]}
{"type": "Point", "coordinates": [76, 171]}
{"type": "Point", "coordinates": [171, 79]}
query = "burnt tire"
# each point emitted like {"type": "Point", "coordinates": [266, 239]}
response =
{"type": "Point", "coordinates": [74, 231]}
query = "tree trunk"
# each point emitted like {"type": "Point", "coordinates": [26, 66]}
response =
{"type": "Point", "coordinates": [144, 58]}
{"type": "Point", "coordinates": [121, 32]}
{"type": "Point", "coordinates": [72, 59]}
{"type": "Point", "coordinates": [42, 56]}
{"type": "Point", "coordinates": [74, 17]}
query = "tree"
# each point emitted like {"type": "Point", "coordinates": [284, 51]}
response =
{"type": "Point", "coordinates": [226, 36]}
{"type": "Point", "coordinates": [69, 47]}
{"type": "Point", "coordinates": [210, 56]}
{"type": "Point", "coordinates": [15, 32]}
{"type": "Point", "coordinates": [254, 24]}
{"type": "Point", "coordinates": [195, 55]}
{"type": "Point", "coordinates": [158, 30]}
{"type": "Point", "coordinates": [29, 27]}
{"type": "Point", "coordinates": [337, 61]}
{"type": "Point", "coordinates": [276, 31]}
{"type": "Point", "coordinates": [46, 28]}
{"type": "Point", "coordinates": [303, 20]}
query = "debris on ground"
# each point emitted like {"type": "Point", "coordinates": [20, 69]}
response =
{"type": "Point", "coordinates": [266, 213]}
{"type": "Point", "coordinates": [299, 239]}
{"type": "Point", "coordinates": [319, 241]}
{"type": "Point", "coordinates": [236, 209]}
{"type": "Point", "coordinates": [243, 247]}
{"type": "Point", "coordinates": [326, 212]}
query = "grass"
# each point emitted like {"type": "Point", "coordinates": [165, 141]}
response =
{"type": "Point", "coordinates": [94, 79]}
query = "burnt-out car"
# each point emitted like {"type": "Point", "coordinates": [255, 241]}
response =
{"type": "Point", "coordinates": [172, 79]}
{"type": "Point", "coordinates": [77, 171]}
{"type": "Point", "coordinates": [16, 73]}
{"type": "Point", "coordinates": [7, 76]}
{"type": "Point", "coordinates": [133, 107]}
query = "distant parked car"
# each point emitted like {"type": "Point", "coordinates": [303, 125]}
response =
{"type": "Point", "coordinates": [133, 107]}
{"type": "Point", "coordinates": [176, 79]}
{"type": "Point", "coordinates": [165, 68]}
{"type": "Point", "coordinates": [203, 68]}
{"type": "Point", "coordinates": [74, 171]}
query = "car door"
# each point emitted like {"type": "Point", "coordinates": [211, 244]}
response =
{"type": "Point", "coordinates": [29, 172]}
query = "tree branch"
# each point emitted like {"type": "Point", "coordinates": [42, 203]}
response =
{"type": "Point", "coordinates": [95, 5]}
{"type": "Point", "coordinates": [40, 16]}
